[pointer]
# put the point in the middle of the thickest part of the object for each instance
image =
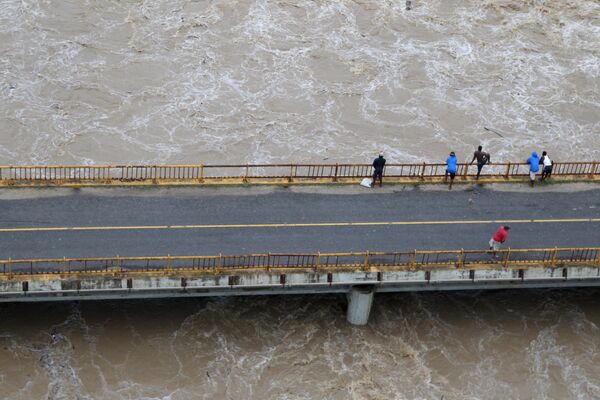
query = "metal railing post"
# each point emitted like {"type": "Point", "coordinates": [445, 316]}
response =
{"type": "Point", "coordinates": [465, 172]}
{"type": "Point", "coordinates": [246, 175]}
{"type": "Point", "coordinates": [335, 173]}
{"type": "Point", "coordinates": [507, 171]}
{"type": "Point", "coordinates": [201, 178]}
{"type": "Point", "coordinates": [423, 171]}
{"type": "Point", "coordinates": [461, 259]}
{"type": "Point", "coordinates": [366, 260]}
{"type": "Point", "coordinates": [506, 258]}
{"type": "Point", "coordinates": [553, 261]}
{"type": "Point", "coordinates": [318, 261]}
{"type": "Point", "coordinates": [592, 170]}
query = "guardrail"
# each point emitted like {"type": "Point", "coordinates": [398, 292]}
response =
{"type": "Point", "coordinates": [269, 173]}
{"type": "Point", "coordinates": [413, 260]}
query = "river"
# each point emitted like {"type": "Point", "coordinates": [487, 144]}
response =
{"type": "Point", "coordinates": [215, 81]}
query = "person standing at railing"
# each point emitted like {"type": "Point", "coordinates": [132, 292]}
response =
{"type": "Point", "coordinates": [378, 165]}
{"type": "Point", "coordinates": [482, 158]}
{"type": "Point", "coordinates": [450, 169]}
{"type": "Point", "coordinates": [547, 165]}
{"type": "Point", "coordinates": [534, 167]}
{"type": "Point", "coordinates": [498, 238]}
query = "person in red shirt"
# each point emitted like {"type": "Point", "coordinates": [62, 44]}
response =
{"type": "Point", "coordinates": [498, 238]}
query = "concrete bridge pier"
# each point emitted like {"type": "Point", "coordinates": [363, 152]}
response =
{"type": "Point", "coordinates": [360, 300]}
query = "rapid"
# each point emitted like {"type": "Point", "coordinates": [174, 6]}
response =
{"type": "Point", "coordinates": [257, 81]}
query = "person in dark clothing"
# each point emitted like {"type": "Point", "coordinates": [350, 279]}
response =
{"type": "Point", "coordinates": [547, 166]}
{"type": "Point", "coordinates": [378, 165]}
{"type": "Point", "coordinates": [482, 158]}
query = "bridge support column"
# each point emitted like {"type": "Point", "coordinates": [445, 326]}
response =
{"type": "Point", "coordinates": [360, 300]}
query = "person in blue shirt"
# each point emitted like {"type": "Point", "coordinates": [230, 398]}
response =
{"type": "Point", "coordinates": [450, 169]}
{"type": "Point", "coordinates": [534, 167]}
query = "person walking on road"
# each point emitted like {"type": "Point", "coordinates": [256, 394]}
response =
{"type": "Point", "coordinates": [482, 158]}
{"type": "Point", "coordinates": [534, 167]}
{"type": "Point", "coordinates": [450, 169]}
{"type": "Point", "coordinates": [378, 165]}
{"type": "Point", "coordinates": [498, 238]}
{"type": "Point", "coordinates": [547, 166]}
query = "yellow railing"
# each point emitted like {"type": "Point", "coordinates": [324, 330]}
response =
{"type": "Point", "coordinates": [414, 260]}
{"type": "Point", "coordinates": [265, 173]}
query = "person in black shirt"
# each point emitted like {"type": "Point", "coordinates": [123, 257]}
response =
{"type": "Point", "coordinates": [482, 158]}
{"type": "Point", "coordinates": [378, 165]}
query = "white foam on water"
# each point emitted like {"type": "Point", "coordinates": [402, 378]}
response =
{"type": "Point", "coordinates": [416, 346]}
{"type": "Point", "coordinates": [303, 81]}
{"type": "Point", "coordinates": [259, 81]}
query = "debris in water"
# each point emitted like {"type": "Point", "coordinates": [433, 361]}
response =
{"type": "Point", "coordinates": [493, 130]}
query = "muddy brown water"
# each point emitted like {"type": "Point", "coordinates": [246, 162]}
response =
{"type": "Point", "coordinates": [238, 81]}
{"type": "Point", "coordinates": [529, 344]}
{"type": "Point", "coordinates": [226, 81]}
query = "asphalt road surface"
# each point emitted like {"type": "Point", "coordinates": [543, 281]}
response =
{"type": "Point", "coordinates": [44, 223]}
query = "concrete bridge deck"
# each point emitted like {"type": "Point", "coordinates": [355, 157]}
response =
{"type": "Point", "coordinates": [73, 223]}
{"type": "Point", "coordinates": [84, 223]}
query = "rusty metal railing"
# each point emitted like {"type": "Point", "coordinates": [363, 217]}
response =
{"type": "Point", "coordinates": [413, 260]}
{"type": "Point", "coordinates": [196, 174]}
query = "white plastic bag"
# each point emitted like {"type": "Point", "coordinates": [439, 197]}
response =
{"type": "Point", "coordinates": [366, 182]}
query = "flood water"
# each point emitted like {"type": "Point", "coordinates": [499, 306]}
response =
{"type": "Point", "coordinates": [237, 81]}
{"type": "Point", "coordinates": [530, 344]}
{"type": "Point", "coordinates": [252, 81]}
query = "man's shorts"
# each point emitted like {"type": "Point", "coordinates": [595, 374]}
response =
{"type": "Point", "coordinates": [532, 175]}
{"type": "Point", "coordinates": [480, 166]}
{"type": "Point", "coordinates": [452, 174]}
{"type": "Point", "coordinates": [548, 169]}
{"type": "Point", "coordinates": [494, 245]}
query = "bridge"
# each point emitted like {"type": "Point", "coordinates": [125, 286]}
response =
{"type": "Point", "coordinates": [100, 243]}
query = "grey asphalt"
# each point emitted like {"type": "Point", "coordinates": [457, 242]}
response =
{"type": "Point", "coordinates": [134, 207]}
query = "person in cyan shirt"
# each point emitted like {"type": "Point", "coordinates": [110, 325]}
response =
{"type": "Point", "coordinates": [534, 167]}
{"type": "Point", "coordinates": [450, 169]}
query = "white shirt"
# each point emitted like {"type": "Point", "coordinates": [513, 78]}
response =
{"type": "Point", "coordinates": [547, 161]}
